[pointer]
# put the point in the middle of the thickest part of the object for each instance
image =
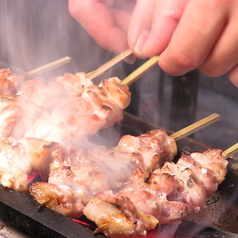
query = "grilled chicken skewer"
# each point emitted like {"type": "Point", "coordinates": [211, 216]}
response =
{"type": "Point", "coordinates": [73, 118]}
{"type": "Point", "coordinates": [74, 179]}
{"type": "Point", "coordinates": [69, 108]}
{"type": "Point", "coordinates": [167, 195]}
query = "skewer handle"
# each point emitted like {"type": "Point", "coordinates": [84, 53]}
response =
{"type": "Point", "coordinates": [195, 127]}
{"type": "Point", "coordinates": [109, 64]}
{"type": "Point", "coordinates": [47, 67]}
{"type": "Point", "coordinates": [230, 151]}
{"type": "Point", "coordinates": [140, 71]}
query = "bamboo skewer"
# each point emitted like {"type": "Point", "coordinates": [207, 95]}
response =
{"type": "Point", "coordinates": [130, 78]}
{"type": "Point", "coordinates": [195, 127]}
{"type": "Point", "coordinates": [109, 64]}
{"type": "Point", "coordinates": [47, 67]}
{"type": "Point", "coordinates": [199, 125]}
{"type": "Point", "coordinates": [230, 151]}
{"type": "Point", "coordinates": [140, 71]}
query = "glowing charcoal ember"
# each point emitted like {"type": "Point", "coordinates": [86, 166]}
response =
{"type": "Point", "coordinates": [81, 222]}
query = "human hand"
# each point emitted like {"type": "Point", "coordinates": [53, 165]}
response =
{"type": "Point", "coordinates": [106, 21]}
{"type": "Point", "coordinates": [188, 34]}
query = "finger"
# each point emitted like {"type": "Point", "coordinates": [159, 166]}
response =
{"type": "Point", "coordinates": [121, 19]}
{"type": "Point", "coordinates": [98, 21]}
{"type": "Point", "coordinates": [127, 5]}
{"type": "Point", "coordinates": [199, 28]}
{"type": "Point", "coordinates": [233, 75]}
{"type": "Point", "coordinates": [224, 55]}
{"type": "Point", "coordinates": [140, 25]}
{"type": "Point", "coordinates": [165, 19]}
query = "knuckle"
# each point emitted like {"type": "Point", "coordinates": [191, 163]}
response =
{"type": "Point", "coordinates": [74, 9]}
{"type": "Point", "coordinates": [211, 72]}
{"type": "Point", "coordinates": [233, 76]}
{"type": "Point", "coordinates": [216, 4]}
{"type": "Point", "coordinates": [212, 69]}
{"type": "Point", "coordinates": [185, 61]}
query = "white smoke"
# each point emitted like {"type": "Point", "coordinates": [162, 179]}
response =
{"type": "Point", "coordinates": [34, 33]}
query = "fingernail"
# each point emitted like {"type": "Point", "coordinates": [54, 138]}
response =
{"type": "Point", "coordinates": [141, 42]}
{"type": "Point", "coordinates": [130, 59]}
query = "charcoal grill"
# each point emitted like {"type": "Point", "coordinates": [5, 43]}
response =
{"type": "Point", "coordinates": [218, 219]}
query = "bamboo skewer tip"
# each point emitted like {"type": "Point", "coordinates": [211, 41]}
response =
{"type": "Point", "coordinates": [195, 126]}
{"type": "Point", "coordinates": [230, 151]}
{"type": "Point", "coordinates": [140, 71]}
{"type": "Point", "coordinates": [47, 67]}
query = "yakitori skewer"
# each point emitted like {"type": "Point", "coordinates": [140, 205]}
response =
{"type": "Point", "coordinates": [177, 190]}
{"type": "Point", "coordinates": [47, 67]}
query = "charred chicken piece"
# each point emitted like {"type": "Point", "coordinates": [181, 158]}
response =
{"type": "Point", "coordinates": [77, 117]}
{"type": "Point", "coordinates": [47, 95]}
{"type": "Point", "coordinates": [150, 203]}
{"type": "Point", "coordinates": [118, 216]}
{"type": "Point", "coordinates": [23, 158]}
{"type": "Point", "coordinates": [8, 82]}
{"type": "Point", "coordinates": [149, 151]}
{"type": "Point", "coordinates": [168, 194]}
{"type": "Point", "coordinates": [10, 113]}
{"type": "Point", "coordinates": [76, 84]}
{"type": "Point", "coordinates": [82, 175]}
{"type": "Point", "coordinates": [60, 198]}
{"type": "Point", "coordinates": [99, 169]}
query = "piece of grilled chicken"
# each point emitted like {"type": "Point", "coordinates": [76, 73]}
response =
{"type": "Point", "coordinates": [166, 195]}
{"type": "Point", "coordinates": [75, 178]}
{"type": "Point", "coordinates": [23, 158]}
{"type": "Point", "coordinates": [8, 82]}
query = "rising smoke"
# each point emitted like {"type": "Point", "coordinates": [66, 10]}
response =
{"type": "Point", "coordinates": [34, 33]}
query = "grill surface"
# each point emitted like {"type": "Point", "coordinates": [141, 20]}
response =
{"type": "Point", "coordinates": [218, 219]}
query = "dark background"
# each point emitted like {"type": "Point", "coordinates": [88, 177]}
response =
{"type": "Point", "coordinates": [36, 32]}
